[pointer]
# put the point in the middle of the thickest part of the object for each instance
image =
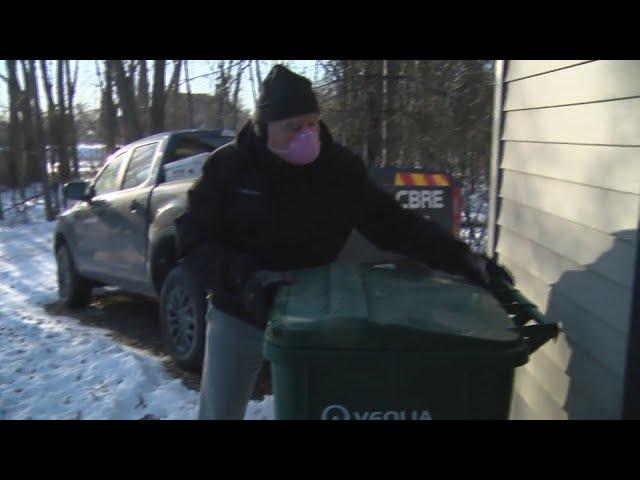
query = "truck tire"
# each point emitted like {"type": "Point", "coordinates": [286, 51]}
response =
{"type": "Point", "coordinates": [183, 307]}
{"type": "Point", "coordinates": [73, 289]}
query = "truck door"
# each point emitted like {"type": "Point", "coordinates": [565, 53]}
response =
{"type": "Point", "coordinates": [128, 219]}
{"type": "Point", "coordinates": [89, 228]}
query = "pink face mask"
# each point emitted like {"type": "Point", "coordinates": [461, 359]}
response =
{"type": "Point", "coordinates": [303, 149]}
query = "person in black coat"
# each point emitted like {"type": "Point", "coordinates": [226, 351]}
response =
{"type": "Point", "coordinates": [285, 196]}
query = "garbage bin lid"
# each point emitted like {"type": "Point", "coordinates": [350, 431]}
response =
{"type": "Point", "coordinates": [386, 307]}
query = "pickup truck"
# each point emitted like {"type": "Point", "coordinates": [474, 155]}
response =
{"type": "Point", "coordinates": [120, 232]}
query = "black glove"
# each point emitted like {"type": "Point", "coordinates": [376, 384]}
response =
{"type": "Point", "coordinates": [474, 268]}
{"type": "Point", "coordinates": [498, 272]}
{"type": "Point", "coordinates": [239, 270]}
{"type": "Point", "coordinates": [484, 271]}
{"type": "Point", "coordinates": [260, 290]}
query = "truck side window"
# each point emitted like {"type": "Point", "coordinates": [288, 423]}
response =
{"type": "Point", "coordinates": [139, 166]}
{"type": "Point", "coordinates": [195, 144]}
{"type": "Point", "coordinates": [107, 181]}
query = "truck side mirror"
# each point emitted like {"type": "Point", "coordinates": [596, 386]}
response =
{"type": "Point", "coordinates": [77, 191]}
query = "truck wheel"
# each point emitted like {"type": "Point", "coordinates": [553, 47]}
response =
{"type": "Point", "coordinates": [183, 307]}
{"type": "Point", "coordinates": [73, 289]}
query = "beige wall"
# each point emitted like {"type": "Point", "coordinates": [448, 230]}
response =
{"type": "Point", "coordinates": [567, 213]}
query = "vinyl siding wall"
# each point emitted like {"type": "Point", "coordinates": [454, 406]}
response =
{"type": "Point", "coordinates": [567, 216]}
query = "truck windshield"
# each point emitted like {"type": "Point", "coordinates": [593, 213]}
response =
{"type": "Point", "coordinates": [191, 144]}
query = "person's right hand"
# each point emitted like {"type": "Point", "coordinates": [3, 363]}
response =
{"type": "Point", "coordinates": [484, 271]}
{"type": "Point", "coordinates": [475, 269]}
{"type": "Point", "coordinates": [499, 272]}
{"type": "Point", "coordinates": [260, 290]}
{"type": "Point", "coordinates": [240, 270]}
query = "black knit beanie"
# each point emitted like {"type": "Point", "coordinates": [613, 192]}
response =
{"type": "Point", "coordinates": [284, 94]}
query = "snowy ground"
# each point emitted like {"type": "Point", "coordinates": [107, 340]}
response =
{"type": "Point", "coordinates": [55, 368]}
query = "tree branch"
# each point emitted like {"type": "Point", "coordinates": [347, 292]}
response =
{"type": "Point", "coordinates": [214, 73]}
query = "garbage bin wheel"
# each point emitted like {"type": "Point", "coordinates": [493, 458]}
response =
{"type": "Point", "coordinates": [183, 307]}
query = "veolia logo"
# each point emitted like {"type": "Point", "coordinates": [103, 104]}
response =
{"type": "Point", "coordinates": [335, 412]}
{"type": "Point", "coordinates": [338, 412]}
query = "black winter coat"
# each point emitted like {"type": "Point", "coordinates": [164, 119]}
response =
{"type": "Point", "coordinates": [249, 202]}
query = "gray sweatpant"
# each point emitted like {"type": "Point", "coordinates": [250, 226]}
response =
{"type": "Point", "coordinates": [232, 361]}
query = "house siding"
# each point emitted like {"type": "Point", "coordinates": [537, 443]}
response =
{"type": "Point", "coordinates": [565, 223]}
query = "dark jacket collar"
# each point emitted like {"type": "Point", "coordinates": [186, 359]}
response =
{"type": "Point", "coordinates": [285, 179]}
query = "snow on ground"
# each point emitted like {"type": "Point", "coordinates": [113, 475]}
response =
{"type": "Point", "coordinates": [56, 368]}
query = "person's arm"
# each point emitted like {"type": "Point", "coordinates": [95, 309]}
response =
{"type": "Point", "coordinates": [200, 233]}
{"type": "Point", "coordinates": [390, 227]}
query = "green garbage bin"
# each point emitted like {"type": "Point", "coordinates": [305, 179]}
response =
{"type": "Point", "coordinates": [392, 342]}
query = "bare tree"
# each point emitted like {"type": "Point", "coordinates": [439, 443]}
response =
{"type": "Point", "coordinates": [253, 86]}
{"type": "Point", "coordinates": [173, 106]}
{"type": "Point", "coordinates": [62, 124]}
{"type": "Point", "coordinates": [131, 69]}
{"type": "Point", "coordinates": [15, 133]}
{"type": "Point", "coordinates": [174, 82]}
{"type": "Point", "coordinates": [52, 122]}
{"type": "Point", "coordinates": [71, 122]}
{"type": "Point", "coordinates": [32, 87]}
{"type": "Point", "coordinates": [29, 155]}
{"type": "Point", "coordinates": [373, 110]}
{"type": "Point", "coordinates": [108, 114]}
{"type": "Point", "coordinates": [222, 92]}
{"type": "Point", "coordinates": [189, 97]}
{"type": "Point", "coordinates": [236, 91]}
{"type": "Point", "coordinates": [143, 95]}
{"type": "Point", "coordinates": [124, 85]}
{"type": "Point", "coordinates": [258, 74]}
{"type": "Point", "coordinates": [389, 127]}
{"type": "Point", "coordinates": [158, 97]}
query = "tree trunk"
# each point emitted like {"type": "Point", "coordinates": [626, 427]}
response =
{"type": "Point", "coordinates": [158, 97]}
{"type": "Point", "coordinates": [31, 172]}
{"type": "Point", "coordinates": [143, 96]}
{"type": "Point", "coordinates": [253, 86]}
{"type": "Point", "coordinates": [221, 93]}
{"type": "Point", "coordinates": [373, 109]}
{"type": "Point", "coordinates": [236, 92]}
{"type": "Point", "coordinates": [174, 82]}
{"type": "Point", "coordinates": [350, 103]}
{"type": "Point", "coordinates": [127, 102]}
{"type": "Point", "coordinates": [71, 121]}
{"type": "Point", "coordinates": [62, 125]}
{"type": "Point", "coordinates": [15, 137]}
{"type": "Point", "coordinates": [132, 70]}
{"type": "Point", "coordinates": [40, 141]}
{"type": "Point", "coordinates": [109, 112]}
{"type": "Point", "coordinates": [189, 98]}
{"type": "Point", "coordinates": [343, 94]}
{"type": "Point", "coordinates": [389, 125]}
{"type": "Point", "coordinates": [173, 108]}
{"type": "Point", "coordinates": [258, 75]}
{"type": "Point", "coordinates": [54, 148]}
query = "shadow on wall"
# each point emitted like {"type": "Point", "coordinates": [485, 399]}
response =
{"type": "Point", "coordinates": [594, 313]}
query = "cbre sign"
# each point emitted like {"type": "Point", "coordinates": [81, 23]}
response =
{"type": "Point", "coordinates": [428, 194]}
